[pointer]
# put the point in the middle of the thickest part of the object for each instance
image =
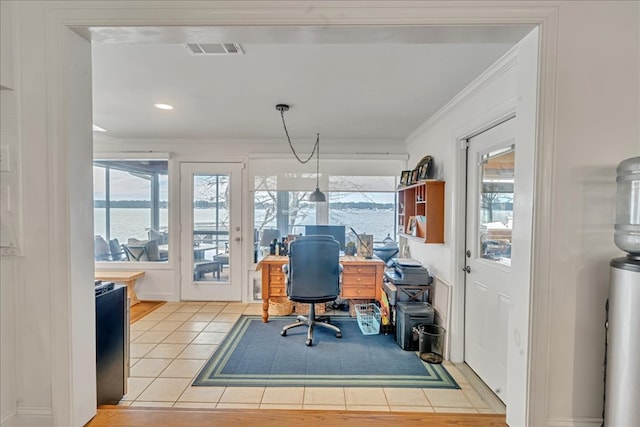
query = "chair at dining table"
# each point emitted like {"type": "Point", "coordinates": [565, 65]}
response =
{"type": "Point", "coordinates": [142, 250]}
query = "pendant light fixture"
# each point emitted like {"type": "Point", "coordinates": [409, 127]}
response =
{"type": "Point", "coordinates": [317, 195]}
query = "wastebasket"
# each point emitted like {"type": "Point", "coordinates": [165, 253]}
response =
{"type": "Point", "coordinates": [430, 342]}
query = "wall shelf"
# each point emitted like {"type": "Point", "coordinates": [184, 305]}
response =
{"type": "Point", "coordinates": [424, 202]}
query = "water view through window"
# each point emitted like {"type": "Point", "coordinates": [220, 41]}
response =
{"type": "Point", "coordinates": [279, 213]}
{"type": "Point", "coordinates": [131, 202]}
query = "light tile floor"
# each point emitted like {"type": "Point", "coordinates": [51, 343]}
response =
{"type": "Point", "coordinates": [170, 345]}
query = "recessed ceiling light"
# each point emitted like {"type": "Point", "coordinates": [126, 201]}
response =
{"type": "Point", "coordinates": [163, 106]}
{"type": "Point", "coordinates": [97, 128]}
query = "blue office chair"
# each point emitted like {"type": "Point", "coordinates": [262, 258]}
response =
{"type": "Point", "coordinates": [313, 276]}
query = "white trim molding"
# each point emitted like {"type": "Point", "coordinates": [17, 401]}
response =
{"type": "Point", "coordinates": [46, 127]}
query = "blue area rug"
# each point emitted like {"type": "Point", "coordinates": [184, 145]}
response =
{"type": "Point", "coordinates": [254, 354]}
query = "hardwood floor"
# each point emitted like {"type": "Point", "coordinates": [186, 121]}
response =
{"type": "Point", "coordinates": [138, 311]}
{"type": "Point", "coordinates": [113, 416]}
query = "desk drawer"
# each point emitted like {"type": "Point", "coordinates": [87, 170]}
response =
{"type": "Point", "coordinates": [359, 269]}
{"type": "Point", "coordinates": [358, 292]}
{"type": "Point", "coordinates": [276, 279]}
{"type": "Point", "coordinates": [277, 291]}
{"type": "Point", "coordinates": [358, 279]}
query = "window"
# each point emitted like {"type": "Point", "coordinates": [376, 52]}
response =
{"type": "Point", "coordinates": [130, 206]}
{"type": "Point", "coordinates": [365, 203]}
{"type": "Point", "coordinates": [356, 198]}
{"type": "Point", "coordinates": [496, 204]}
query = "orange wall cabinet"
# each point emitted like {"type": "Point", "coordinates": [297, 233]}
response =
{"type": "Point", "coordinates": [421, 211]}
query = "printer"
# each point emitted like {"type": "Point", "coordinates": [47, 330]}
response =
{"type": "Point", "coordinates": [407, 281]}
{"type": "Point", "coordinates": [408, 271]}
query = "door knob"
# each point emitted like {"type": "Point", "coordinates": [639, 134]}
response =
{"type": "Point", "coordinates": [467, 269]}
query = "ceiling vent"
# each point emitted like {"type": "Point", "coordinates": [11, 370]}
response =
{"type": "Point", "coordinates": [214, 49]}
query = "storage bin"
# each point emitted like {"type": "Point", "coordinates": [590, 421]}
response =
{"type": "Point", "coordinates": [280, 307]}
{"type": "Point", "coordinates": [368, 316]}
{"type": "Point", "coordinates": [353, 303]}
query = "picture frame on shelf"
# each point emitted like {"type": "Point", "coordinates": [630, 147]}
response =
{"type": "Point", "coordinates": [405, 177]}
{"type": "Point", "coordinates": [414, 176]}
{"type": "Point", "coordinates": [411, 226]}
{"type": "Point", "coordinates": [425, 166]}
{"type": "Point", "coordinates": [421, 226]}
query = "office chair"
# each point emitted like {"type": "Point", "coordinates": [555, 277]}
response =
{"type": "Point", "coordinates": [313, 276]}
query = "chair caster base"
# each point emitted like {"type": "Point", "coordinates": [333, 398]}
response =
{"type": "Point", "coordinates": [338, 334]}
{"type": "Point", "coordinates": [308, 343]}
{"type": "Point", "coordinates": [283, 333]}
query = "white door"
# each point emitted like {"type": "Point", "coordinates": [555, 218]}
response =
{"type": "Point", "coordinates": [490, 180]}
{"type": "Point", "coordinates": [210, 242]}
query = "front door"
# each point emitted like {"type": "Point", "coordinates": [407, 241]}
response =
{"type": "Point", "coordinates": [490, 181]}
{"type": "Point", "coordinates": [210, 231]}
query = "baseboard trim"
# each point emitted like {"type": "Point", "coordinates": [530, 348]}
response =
{"type": "Point", "coordinates": [574, 422]}
{"type": "Point", "coordinates": [8, 417]}
{"type": "Point", "coordinates": [29, 416]}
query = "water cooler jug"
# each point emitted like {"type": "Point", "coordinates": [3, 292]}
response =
{"type": "Point", "coordinates": [622, 388]}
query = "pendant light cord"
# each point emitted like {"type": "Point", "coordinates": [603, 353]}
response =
{"type": "Point", "coordinates": [316, 196]}
{"type": "Point", "coordinates": [316, 147]}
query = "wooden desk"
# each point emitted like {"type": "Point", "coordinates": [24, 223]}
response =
{"type": "Point", "coordinates": [361, 279]}
{"type": "Point", "coordinates": [127, 277]}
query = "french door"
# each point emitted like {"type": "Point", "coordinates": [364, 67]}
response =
{"type": "Point", "coordinates": [490, 191]}
{"type": "Point", "coordinates": [210, 242]}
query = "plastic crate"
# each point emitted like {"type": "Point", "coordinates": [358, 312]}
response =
{"type": "Point", "coordinates": [368, 316]}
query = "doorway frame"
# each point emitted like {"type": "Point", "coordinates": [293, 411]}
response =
{"type": "Point", "coordinates": [522, 327]}
{"type": "Point", "coordinates": [61, 17]}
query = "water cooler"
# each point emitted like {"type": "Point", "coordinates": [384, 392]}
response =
{"type": "Point", "coordinates": [622, 384]}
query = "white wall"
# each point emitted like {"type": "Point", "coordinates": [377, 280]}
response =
{"type": "Point", "coordinates": [589, 123]}
{"type": "Point", "coordinates": [80, 357]}
{"type": "Point", "coordinates": [9, 216]}
{"type": "Point", "coordinates": [597, 126]}
{"type": "Point", "coordinates": [6, 45]}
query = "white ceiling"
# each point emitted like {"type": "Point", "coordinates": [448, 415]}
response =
{"type": "Point", "coordinates": [377, 83]}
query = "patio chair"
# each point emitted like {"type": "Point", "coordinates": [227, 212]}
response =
{"type": "Point", "coordinates": [117, 252]}
{"type": "Point", "coordinates": [101, 249]}
{"type": "Point", "coordinates": [142, 250]}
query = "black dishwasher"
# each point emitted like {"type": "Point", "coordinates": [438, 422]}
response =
{"type": "Point", "coordinates": [112, 342]}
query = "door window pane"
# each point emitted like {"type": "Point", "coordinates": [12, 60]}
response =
{"type": "Point", "coordinates": [496, 205]}
{"type": "Point", "coordinates": [211, 227]}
